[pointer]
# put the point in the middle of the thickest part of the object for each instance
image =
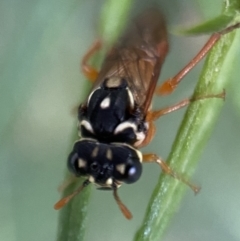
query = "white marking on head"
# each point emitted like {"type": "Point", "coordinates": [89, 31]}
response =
{"type": "Point", "coordinates": [109, 154]}
{"type": "Point", "coordinates": [121, 168]}
{"type": "Point", "coordinates": [95, 151]}
{"type": "Point", "coordinates": [91, 179]}
{"type": "Point", "coordinates": [105, 103]}
{"type": "Point", "coordinates": [109, 181]}
{"type": "Point", "coordinates": [81, 163]}
{"type": "Point", "coordinates": [131, 99]}
{"type": "Point", "coordinates": [87, 126]}
{"type": "Point", "coordinates": [139, 154]}
{"type": "Point", "coordinates": [125, 125]}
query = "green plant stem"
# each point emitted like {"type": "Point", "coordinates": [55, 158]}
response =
{"type": "Point", "coordinates": [193, 134]}
{"type": "Point", "coordinates": [73, 217]}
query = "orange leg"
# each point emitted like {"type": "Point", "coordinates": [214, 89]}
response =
{"type": "Point", "coordinates": [169, 85]}
{"type": "Point", "coordinates": [90, 72]}
{"type": "Point", "coordinates": [154, 115]}
{"type": "Point", "coordinates": [166, 169]}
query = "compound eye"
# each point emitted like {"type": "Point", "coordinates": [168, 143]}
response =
{"type": "Point", "coordinates": [76, 164]}
{"type": "Point", "coordinates": [128, 173]}
{"type": "Point", "coordinates": [133, 172]}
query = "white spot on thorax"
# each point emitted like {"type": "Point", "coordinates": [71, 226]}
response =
{"type": "Point", "coordinates": [124, 126]}
{"type": "Point", "coordinates": [113, 82]}
{"type": "Point", "coordinates": [105, 103]}
{"type": "Point", "coordinates": [87, 126]}
{"type": "Point", "coordinates": [140, 135]}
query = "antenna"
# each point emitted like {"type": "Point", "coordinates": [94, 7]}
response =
{"type": "Point", "coordinates": [122, 207]}
{"type": "Point", "coordinates": [62, 202]}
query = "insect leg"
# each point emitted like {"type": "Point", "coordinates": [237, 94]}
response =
{"type": "Point", "coordinates": [154, 115]}
{"type": "Point", "coordinates": [90, 72]}
{"type": "Point", "coordinates": [166, 169]}
{"type": "Point", "coordinates": [169, 85]}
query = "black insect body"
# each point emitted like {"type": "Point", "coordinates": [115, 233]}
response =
{"type": "Point", "coordinates": [112, 121]}
{"type": "Point", "coordinates": [101, 162]}
{"type": "Point", "coordinates": [116, 109]}
{"type": "Point", "coordinates": [116, 119]}
{"type": "Point", "coordinates": [111, 115]}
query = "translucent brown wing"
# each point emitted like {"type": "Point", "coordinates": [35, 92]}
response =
{"type": "Point", "coordinates": [138, 57]}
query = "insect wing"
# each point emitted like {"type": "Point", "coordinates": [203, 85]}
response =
{"type": "Point", "coordinates": [138, 57]}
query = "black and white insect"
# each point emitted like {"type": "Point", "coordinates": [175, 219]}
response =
{"type": "Point", "coordinates": [116, 119]}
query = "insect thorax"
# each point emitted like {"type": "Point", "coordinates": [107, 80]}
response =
{"type": "Point", "coordinates": [111, 114]}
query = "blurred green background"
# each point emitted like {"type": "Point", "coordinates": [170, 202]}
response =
{"type": "Point", "coordinates": [41, 45]}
